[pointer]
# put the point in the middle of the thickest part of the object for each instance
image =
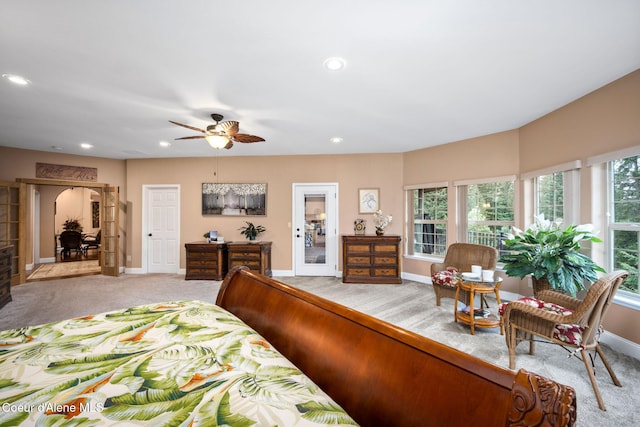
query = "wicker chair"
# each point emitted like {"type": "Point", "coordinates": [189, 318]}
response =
{"type": "Point", "coordinates": [564, 320]}
{"type": "Point", "coordinates": [462, 256]}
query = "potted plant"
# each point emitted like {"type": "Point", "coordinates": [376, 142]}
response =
{"type": "Point", "coordinates": [551, 254]}
{"type": "Point", "coordinates": [72, 224]}
{"type": "Point", "coordinates": [381, 221]}
{"type": "Point", "coordinates": [251, 231]}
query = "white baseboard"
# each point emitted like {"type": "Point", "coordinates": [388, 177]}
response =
{"type": "Point", "coordinates": [129, 270]}
{"type": "Point", "coordinates": [46, 260]}
{"type": "Point", "coordinates": [621, 345]}
{"type": "Point", "coordinates": [417, 278]}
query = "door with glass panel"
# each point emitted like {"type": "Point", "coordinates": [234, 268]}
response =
{"type": "Point", "coordinates": [314, 229]}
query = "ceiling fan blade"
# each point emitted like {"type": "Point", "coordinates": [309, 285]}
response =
{"type": "Point", "coordinates": [187, 126]}
{"type": "Point", "coordinates": [191, 137]}
{"type": "Point", "coordinates": [243, 137]}
{"type": "Point", "coordinates": [229, 145]}
{"type": "Point", "coordinates": [230, 128]}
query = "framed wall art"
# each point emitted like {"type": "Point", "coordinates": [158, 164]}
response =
{"type": "Point", "coordinates": [95, 214]}
{"type": "Point", "coordinates": [234, 199]}
{"type": "Point", "coordinates": [368, 200]}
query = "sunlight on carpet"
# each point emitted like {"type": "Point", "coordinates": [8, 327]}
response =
{"type": "Point", "coordinates": [65, 269]}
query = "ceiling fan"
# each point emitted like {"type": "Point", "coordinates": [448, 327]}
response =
{"type": "Point", "coordinates": [222, 134]}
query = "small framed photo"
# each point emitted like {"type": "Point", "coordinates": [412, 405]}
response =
{"type": "Point", "coordinates": [368, 200]}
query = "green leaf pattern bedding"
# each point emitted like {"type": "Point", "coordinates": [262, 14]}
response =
{"type": "Point", "coordinates": [185, 363]}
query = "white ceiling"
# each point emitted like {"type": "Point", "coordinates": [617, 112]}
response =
{"type": "Point", "coordinates": [419, 73]}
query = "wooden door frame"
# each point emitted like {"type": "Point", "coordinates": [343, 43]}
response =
{"type": "Point", "coordinates": [64, 183]}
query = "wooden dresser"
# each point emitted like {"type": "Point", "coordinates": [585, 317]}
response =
{"type": "Point", "coordinates": [6, 260]}
{"type": "Point", "coordinates": [255, 255]}
{"type": "Point", "coordinates": [371, 259]}
{"type": "Point", "coordinates": [206, 261]}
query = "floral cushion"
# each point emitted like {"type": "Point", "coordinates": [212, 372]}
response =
{"type": "Point", "coordinates": [448, 277]}
{"type": "Point", "coordinates": [538, 304]}
{"type": "Point", "coordinates": [571, 334]}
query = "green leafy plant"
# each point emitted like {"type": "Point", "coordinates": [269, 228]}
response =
{"type": "Point", "coordinates": [72, 224]}
{"type": "Point", "coordinates": [251, 231]}
{"type": "Point", "coordinates": [548, 251]}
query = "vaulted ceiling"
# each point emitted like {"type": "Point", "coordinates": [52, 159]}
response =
{"type": "Point", "coordinates": [418, 73]}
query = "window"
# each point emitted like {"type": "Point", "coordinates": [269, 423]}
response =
{"type": "Point", "coordinates": [624, 219]}
{"type": "Point", "coordinates": [487, 212]}
{"type": "Point", "coordinates": [550, 196]}
{"type": "Point", "coordinates": [429, 220]}
{"type": "Point", "coordinates": [553, 192]}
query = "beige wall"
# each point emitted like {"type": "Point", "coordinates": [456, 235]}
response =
{"type": "Point", "coordinates": [383, 171]}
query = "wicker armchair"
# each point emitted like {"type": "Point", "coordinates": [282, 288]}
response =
{"type": "Point", "coordinates": [564, 320]}
{"type": "Point", "coordinates": [461, 256]}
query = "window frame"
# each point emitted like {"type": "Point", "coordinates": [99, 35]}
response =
{"type": "Point", "coordinates": [602, 184]}
{"type": "Point", "coordinates": [410, 223]}
{"type": "Point", "coordinates": [462, 229]}
{"type": "Point", "coordinates": [571, 191]}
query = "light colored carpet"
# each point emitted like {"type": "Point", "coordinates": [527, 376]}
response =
{"type": "Point", "coordinates": [410, 305]}
{"type": "Point", "coordinates": [61, 270]}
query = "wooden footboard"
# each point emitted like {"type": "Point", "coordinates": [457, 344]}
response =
{"type": "Point", "coordinates": [384, 375]}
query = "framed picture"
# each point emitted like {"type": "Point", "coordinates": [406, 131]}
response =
{"type": "Point", "coordinates": [368, 200]}
{"type": "Point", "coordinates": [95, 214]}
{"type": "Point", "coordinates": [234, 199]}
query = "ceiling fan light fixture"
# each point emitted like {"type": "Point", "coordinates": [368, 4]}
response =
{"type": "Point", "coordinates": [217, 141]}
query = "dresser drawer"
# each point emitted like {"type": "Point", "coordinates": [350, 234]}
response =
{"type": "Point", "coordinates": [201, 270]}
{"type": "Point", "coordinates": [253, 264]}
{"type": "Point", "coordinates": [385, 272]}
{"type": "Point", "coordinates": [385, 248]}
{"type": "Point", "coordinates": [384, 260]}
{"type": "Point", "coordinates": [201, 262]}
{"type": "Point", "coordinates": [356, 248]}
{"type": "Point", "coordinates": [245, 255]}
{"type": "Point", "coordinates": [358, 272]}
{"type": "Point", "coordinates": [202, 255]}
{"type": "Point", "coordinates": [359, 260]}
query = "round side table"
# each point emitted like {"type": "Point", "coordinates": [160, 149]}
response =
{"type": "Point", "coordinates": [492, 320]}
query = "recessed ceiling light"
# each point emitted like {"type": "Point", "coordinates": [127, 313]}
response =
{"type": "Point", "coordinates": [334, 64]}
{"type": "Point", "coordinates": [165, 144]}
{"type": "Point", "coordinates": [336, 140]}
{"type": "Point", "coordinates": [19, 80]}
{"type": "Point", "coordinates": [55, 147]}
{"type": "Point", "coordinates": [86, 146]}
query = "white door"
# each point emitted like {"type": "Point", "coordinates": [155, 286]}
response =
{"type": "Point", "coordinates": [163, 229]}
{"type": "Point", "coordinates": [314, 229]}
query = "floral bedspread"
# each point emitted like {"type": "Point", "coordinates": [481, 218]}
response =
{"type": "Point", "coordinates": [183, 363]}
